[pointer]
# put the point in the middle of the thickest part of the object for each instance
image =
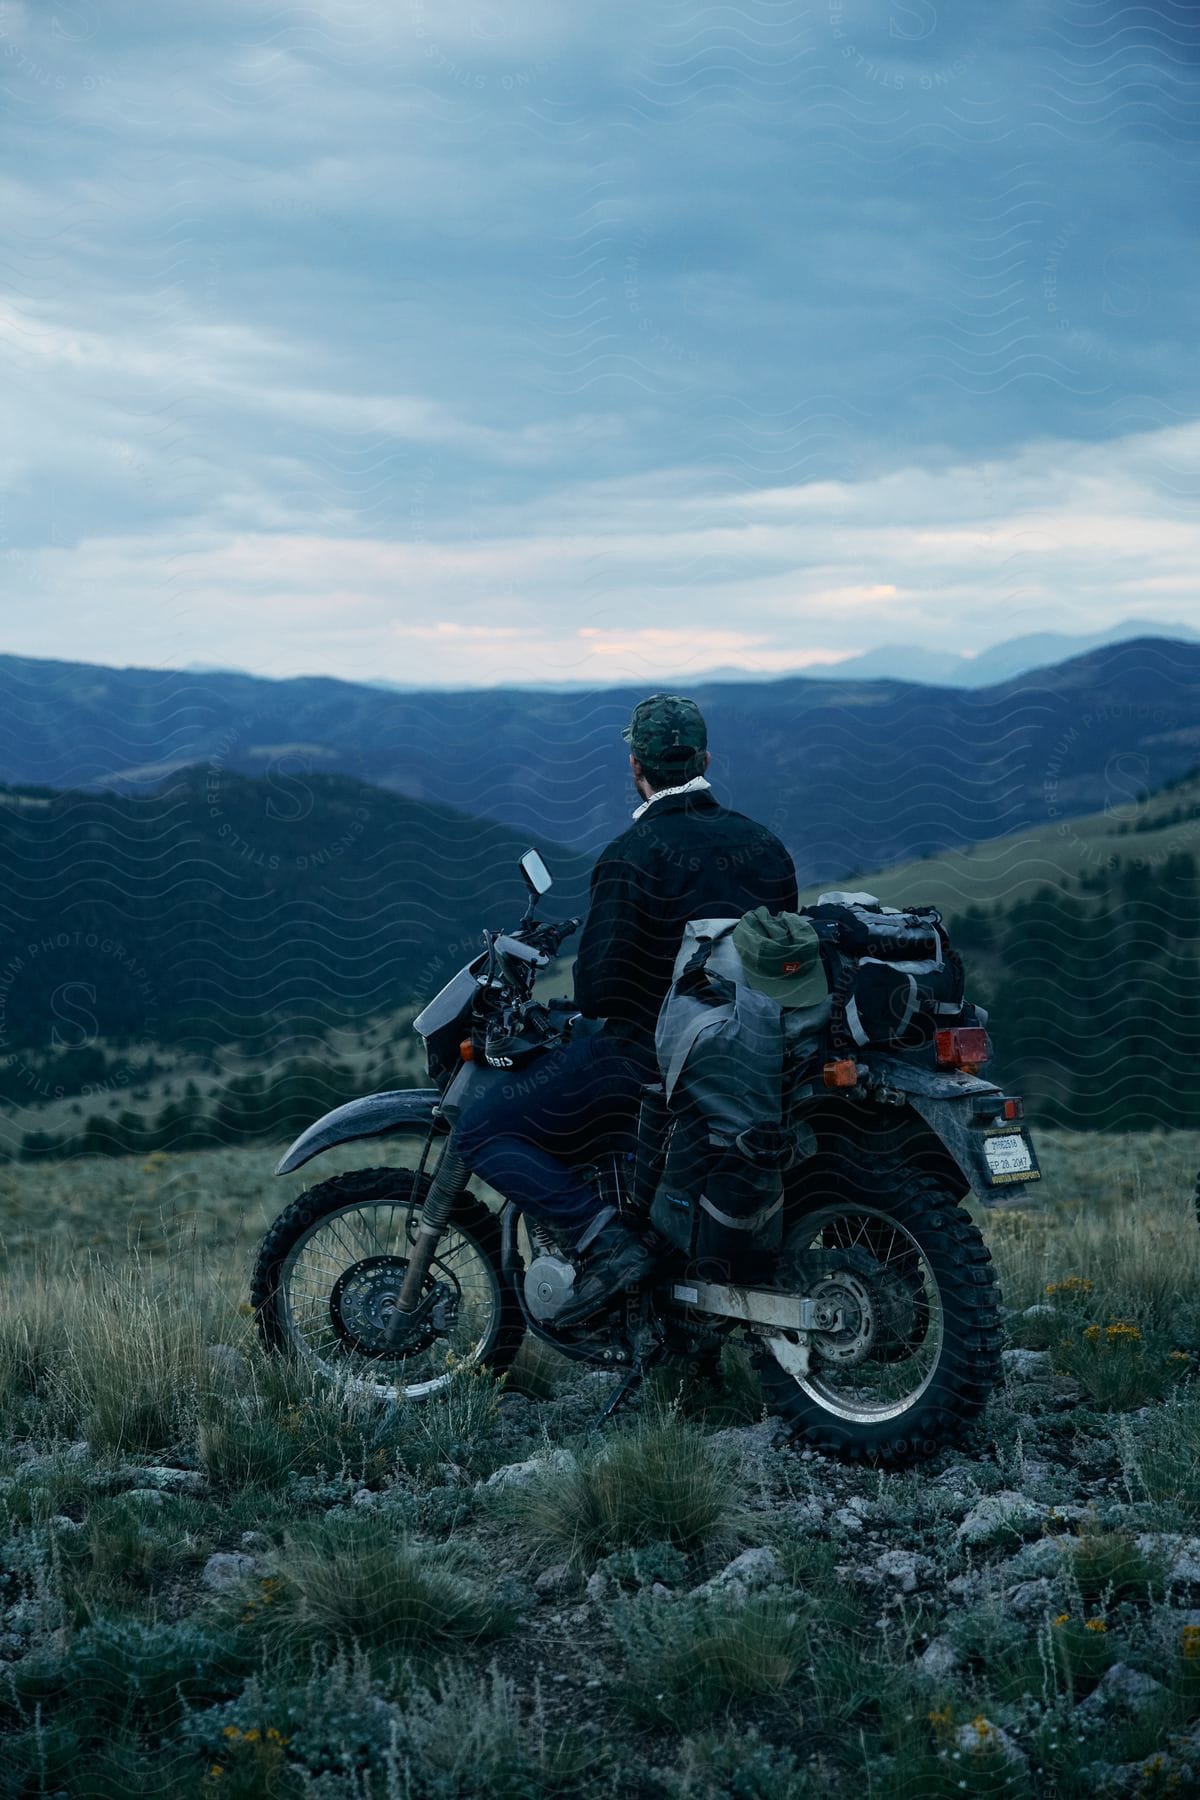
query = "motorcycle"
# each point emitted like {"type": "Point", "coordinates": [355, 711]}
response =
{"type": "Point", "coordinates": [873, 1320]}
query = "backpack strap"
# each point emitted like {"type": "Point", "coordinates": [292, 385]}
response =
{"type": "Point", "coordinates": [714, 1015]}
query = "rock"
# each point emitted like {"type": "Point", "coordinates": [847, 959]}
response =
{"type": "Point", "coordinates": [255, 1540]}
{"type": "Point", "coordinates": [660, 1591]}
{"type": "Point", "coordinates": [752, 1440]}
{"type": "Point", "coordinates": [1044, 1557]}
{"type": "Point", "coordinates": [65, 1526]}
{"type": "Point", "coordinates": [78, 1452]}
{"type": "Point", "coordinates": [517, 1595]}
{"type": "Point", "coordinates": [906, 1568]}
{"type": "Point", "coordinates": [1027, 1365]}
{"type": "Point", "coordinates": [1120, 1689]}
{"type": "Point", "coordinates": [364, 1500]}
{"type": "Point", "coordinates": [175, 1481]}
{"type": "Point", "coordinates": [556, 1581]}
{"type": "Point", "coordinates": [1185, 1567]}
{"type": "Point", "coordinates": [150, 1497]}
{"type": "Point", "coordinates": [1030, 1599]}
{"type": "Point", "coordinates": [1040, 1311]}
{"type": "Point", "coordinates": [522, 1474]}
{"type": "Point", "coordinates": [746, 1574]}
{"type": "Point", "coordinates": [999, 1516]}
{"type": "Point", "coordinates": [806, 1515]}
{"type": "Point", "coordinates": [982, 1738]}
{"type": "Point", "coordinates": [848, 1519]}
{"type": "Point", "coordinates": [223, 1359]}
{"type": "Point", "coordinates": [598, 1585]}
{"type": "Point", "coordinates": [226, 1569]}
{"type": "Point", "coordinates": [938, 1660]}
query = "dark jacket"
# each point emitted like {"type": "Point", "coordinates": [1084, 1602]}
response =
{"type": "Point", "coordinates": [687, 857]}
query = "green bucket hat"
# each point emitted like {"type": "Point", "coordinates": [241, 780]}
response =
{"type": "Point", "coordinates": [781, 956]}
{"type": "Point", "coordinates": [667, 732]}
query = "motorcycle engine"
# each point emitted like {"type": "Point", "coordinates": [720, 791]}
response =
{"type": "Point", "coordinates": [548, 1281]}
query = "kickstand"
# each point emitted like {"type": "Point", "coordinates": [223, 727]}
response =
{"type": "Point", "coordinates": [629, 1384]}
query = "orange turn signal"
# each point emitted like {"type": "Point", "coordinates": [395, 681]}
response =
{"type": "Point", "coordinates": [841, 1074]}
{"type": "Point", "coordinates": [467, 1050]}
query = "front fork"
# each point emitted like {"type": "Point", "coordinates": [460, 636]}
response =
{"type": "Point", "coordinates": [449, 1180]}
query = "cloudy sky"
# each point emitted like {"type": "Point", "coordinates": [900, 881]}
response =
{"type": "Point", "coordinates": [465, 340]}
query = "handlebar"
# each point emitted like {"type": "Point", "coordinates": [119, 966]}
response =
{"type": "Point", "coordinates": [551, 934]}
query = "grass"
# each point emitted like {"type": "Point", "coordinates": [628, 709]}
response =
{"type": "Point", "coordinates": [389, 1633]}
{"type": "Point", "coordinates": [660, 1482]}
{"type": "Point", "coordinates": [347, 1582]}
{"type": "Point", "coordinates": [684, 1660]}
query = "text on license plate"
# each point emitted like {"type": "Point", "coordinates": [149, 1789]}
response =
{"type": "Point", "coordinates": [1007, 1155]}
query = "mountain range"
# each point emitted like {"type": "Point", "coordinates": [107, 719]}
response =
{"type": "Point", "coordinates": [850, 773]}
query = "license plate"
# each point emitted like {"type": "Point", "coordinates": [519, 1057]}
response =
{"type": "Point", "coordinates": [1008, 1156]}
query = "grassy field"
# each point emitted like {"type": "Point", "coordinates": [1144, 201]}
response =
{"type": "Point", "coordinates": [1004, 870]}
{"type": "Point", "coordinates": [218, 1579]}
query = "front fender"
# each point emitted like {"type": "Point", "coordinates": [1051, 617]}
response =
{"type": "Point", "coordinates": [398, 1111]}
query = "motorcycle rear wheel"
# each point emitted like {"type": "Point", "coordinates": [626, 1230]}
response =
{"type": "Point", "coordinates": [330, 1266]}
{"type": "Point", "coordinates": [875, 1405]}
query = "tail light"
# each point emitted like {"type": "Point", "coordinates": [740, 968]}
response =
{"type": "Point", "coordinates": [1014, 1109]}
{"type": "Point", "coordinates": [841, 1074]}
{"type": "Point", "coordinates": [963, 1047]}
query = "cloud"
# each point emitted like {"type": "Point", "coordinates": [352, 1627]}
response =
{"type": "Point", "coordinates": [1078, 534]}
{"type": "Point", "coordinates": [800, 326]}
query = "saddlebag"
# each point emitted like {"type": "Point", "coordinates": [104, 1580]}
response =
{"type": "Point", "coordinates": [893, 976]}
{"type": "Point", "coordinates": [721, 1204]}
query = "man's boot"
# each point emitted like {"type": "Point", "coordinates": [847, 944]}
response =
{"type": "Point", "coordinates": [614, 1259]}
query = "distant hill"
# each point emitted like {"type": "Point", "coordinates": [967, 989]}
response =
{"type": "Point", "coordinates": [223, 908]}
{"type": "Point", "coordinates": [1000, 662]}
{"type": "Point", "coordinates": [850, 773]}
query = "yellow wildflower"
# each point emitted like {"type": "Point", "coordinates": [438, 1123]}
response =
{"type": "Point", "coordinates": [231, 1731]}
{"type": "Point", "coordinates": [215, 1772]}
{"type": "Point", "coordinates": [1189, 1639]}
{"type": "Point", "coordinates": [1094, 1625]}
{"type": "Point", "coordinates": [982, 1728]}
{"type": "Point", "coordinates": [1071, 1284]}
{"type": "Point", "coordinates": [1063, 1619]}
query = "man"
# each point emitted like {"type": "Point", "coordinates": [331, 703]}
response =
{"type": "Point", "coordinates": [684, 857]}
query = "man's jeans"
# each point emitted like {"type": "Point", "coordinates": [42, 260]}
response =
{"type": "Point", "coordinates": [523, 1135]}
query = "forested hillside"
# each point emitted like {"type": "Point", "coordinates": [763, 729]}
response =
{"type": "Point", "coordinates": [223, 908]}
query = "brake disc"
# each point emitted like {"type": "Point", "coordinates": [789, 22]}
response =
{"type": "Point", "coordinates": [363, 1301]}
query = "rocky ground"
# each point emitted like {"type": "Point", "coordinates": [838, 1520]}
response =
{"type": "Point", "coordinates": [215, 1577]}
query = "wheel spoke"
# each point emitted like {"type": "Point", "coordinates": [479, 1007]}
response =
{"type": "Point", "coordinates": [352, 1246]}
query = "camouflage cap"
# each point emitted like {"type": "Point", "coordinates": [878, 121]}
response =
{"type": "Point", "coordinates": [667, 731]}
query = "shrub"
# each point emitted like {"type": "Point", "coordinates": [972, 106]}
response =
{"type": "Point", "coordinates": [469, 1736]}
{"type": "Point", "coordinates": [737, 1766]}
{"type": "Point", "coordinates": [1165, 1463]}
{"type": "Point", "coordinates": [1108, 1567]}
{"type": "Point", "coordinates": [659, 1483]}
{"type": "Point", "coordinates": [1119, 1368]}
{"type": "Point", "coordinates": [685, 1657]}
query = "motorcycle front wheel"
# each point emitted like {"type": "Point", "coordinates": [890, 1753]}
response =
{"type": "Point", "coordinates": [916, 1351]}
{"type": "Point", "coordinates": [330, 1268]}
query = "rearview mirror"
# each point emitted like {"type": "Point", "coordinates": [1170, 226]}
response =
{"type": "Point", "coordinates": [538, 878]}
